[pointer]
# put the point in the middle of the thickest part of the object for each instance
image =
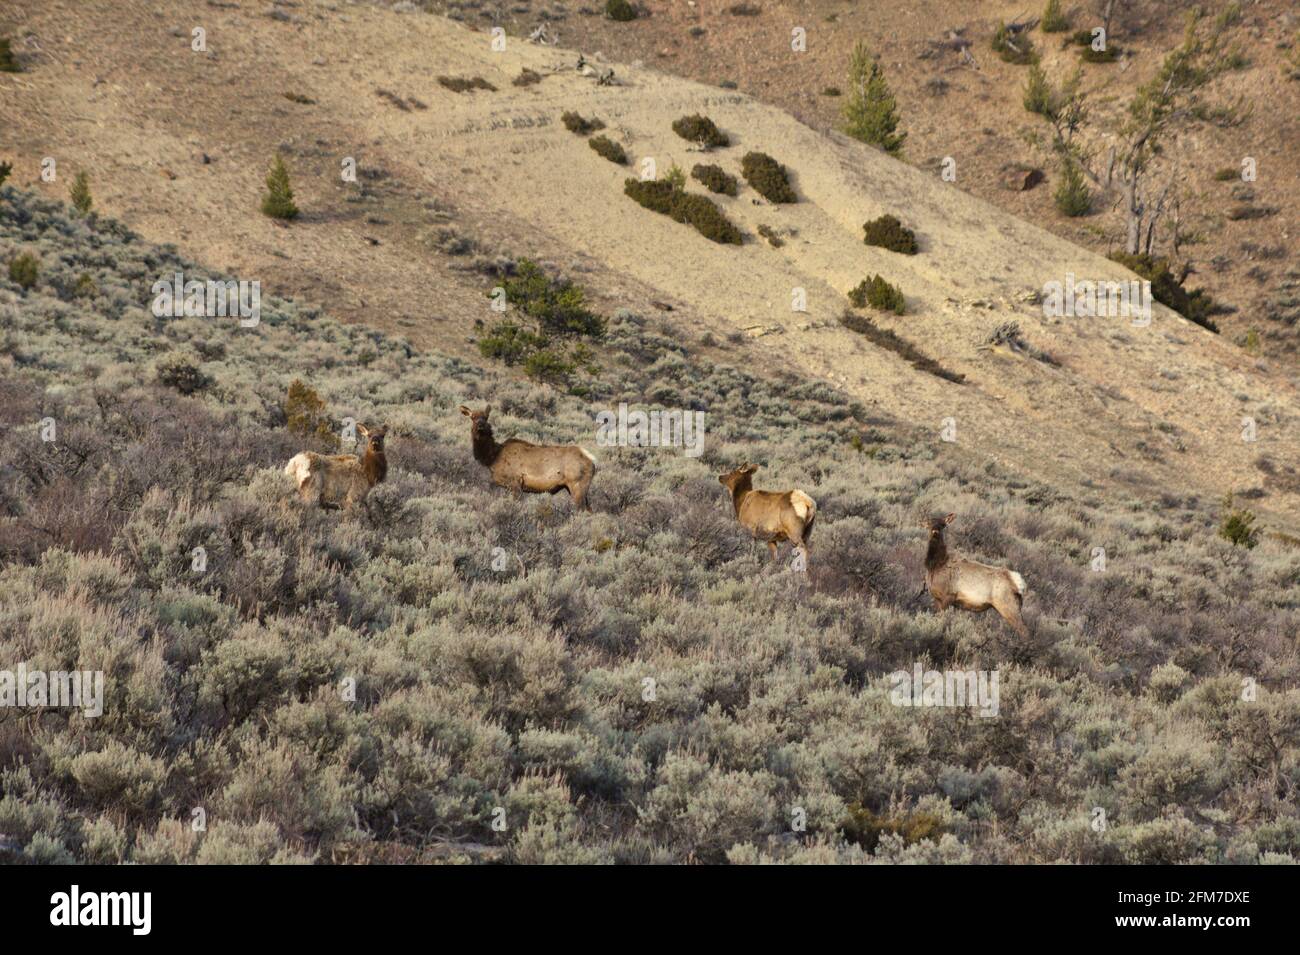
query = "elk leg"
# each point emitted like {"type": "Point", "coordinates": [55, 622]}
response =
{"type": "Point", "coordinates": [1012, 616]}
{"type": "Point", "coordinates": [579, 494]}
{"type": "Point", "coordinates": [771, 546]}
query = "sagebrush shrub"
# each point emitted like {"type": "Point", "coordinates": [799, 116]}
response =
{"type": "Point", "coordinates": [182, 373]}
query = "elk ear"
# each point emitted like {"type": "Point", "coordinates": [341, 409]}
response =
{"type": "Point", "coordinates": [950, 518]}
{"type": "Point", "coordinates": [487, 411]}
{"type": "Point", "coordinates": [363, 430]}
{"type": "Point", "coordinates": [466, 412]}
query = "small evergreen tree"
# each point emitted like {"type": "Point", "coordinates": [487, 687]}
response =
{"type": "Point", "coordinates": [871, 111]}
{"type": "Point", "coordinates": [79, 192]}
{"type": "Point", "coordinates": [278, 201]}
{"type": "Point", "coordinates": [5, 169]}
{"type": "Point", "coordinates": [1072, 196]}
{"type": "Point", "coordinates": [1054, 21]}
{"type": "Point", "coordinates": [1238, 526]}
{"type": "Point", "coordinates": [1038, 92]}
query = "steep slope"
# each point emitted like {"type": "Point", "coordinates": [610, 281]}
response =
{"type": "Point", "coordinates": [120, 93]}
{"type": "Point", "coordinates": [627, 685]}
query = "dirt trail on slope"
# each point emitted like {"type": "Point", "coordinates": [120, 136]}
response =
{"type": "Point", "coordinates": [115, 89]}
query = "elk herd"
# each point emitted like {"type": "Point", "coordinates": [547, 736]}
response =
{"type": "Point", "coordinates": [343, 480]}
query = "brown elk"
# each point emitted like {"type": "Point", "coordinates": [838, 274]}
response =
{"type": "Point", "coordinates": [771, 516]}
{"type": "Point", "coordinates": [530, 468]}
{"type": "Point", "coordinates": [340, 480]}
{"type": "Point", "coordinates": [969, 584]}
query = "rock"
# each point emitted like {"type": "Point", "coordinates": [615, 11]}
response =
{"type": "Point", "coordinates": [1020, 178]}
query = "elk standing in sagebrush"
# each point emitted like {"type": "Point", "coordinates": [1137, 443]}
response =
{"type": "Point", "coordinates": [340, 480]}
{"type": "Point", "coordinates": [771, 516]}
{"type": "Point", "coordinates": [531, 468]}
{"type": "Point", "coordinates": [970, 585]}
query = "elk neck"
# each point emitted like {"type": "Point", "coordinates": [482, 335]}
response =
{"type": "Point", "coordinates": [936, 555]}
{"type": "Point", "coordinates": [738, 493]}
{"type": "Point", "coordinates": [375, 465]}
{"type": "Point", "coordinates": [485, 446]}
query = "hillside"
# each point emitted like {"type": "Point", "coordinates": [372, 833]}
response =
{"type": "Point", "coordinates": [377, 686]}
{"type": "Point", "coordinates": [1239, 237]}
{"type": "Point", "coordinates": [1151, 409]}
{"type": "Point", "coordinates": [453, 673]}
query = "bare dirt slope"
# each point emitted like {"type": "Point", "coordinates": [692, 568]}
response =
{"type": "Point", "coordinates": [114, 88]}
{"type": "Point", "coordinates": [1239, 238]}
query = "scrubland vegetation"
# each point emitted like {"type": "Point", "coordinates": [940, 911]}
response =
{"type": "Point", "coordinates": [609, 149]}
{"type": "Point", "coordinates": [768, 177]}
{"type": "Point", "coordinates": [888, 233]}
{"type": "Point", "coordinates": [700, 130]}
{"type": "Point", "coordinates": [879, 294]}
{"type": "Point", "coordinates": [715, 179]}
{"type": "Point", "coordinates": [521, 684]}
{"type": "Point", "coordinates": [669, 198]}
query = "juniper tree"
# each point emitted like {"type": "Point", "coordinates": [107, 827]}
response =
{"type": "Point", "coordinates": [871, 111]}
{"type": "Point", "coordinates": [278, 201]}
{"type": "Point", "coordinates": [7, 62]}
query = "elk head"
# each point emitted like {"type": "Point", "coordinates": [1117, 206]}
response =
{"type": "Point", "coordinates": [737, 478]}
{"type": "Point", "coordinates": [478, 421]}
{"type": "Point", "coordinates": [936, 525]}
{"type": "Point", "coordinates": [374, 437]}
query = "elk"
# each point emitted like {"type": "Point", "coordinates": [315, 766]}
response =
{"type": "Point", "coordinates": [531, 468]}
{"type": "Point", "coordinates": [771, 516]}
{"type": "Point", "coordinates": [969, 584]}
{"type": "Point", "coordinates": [340, 480]}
